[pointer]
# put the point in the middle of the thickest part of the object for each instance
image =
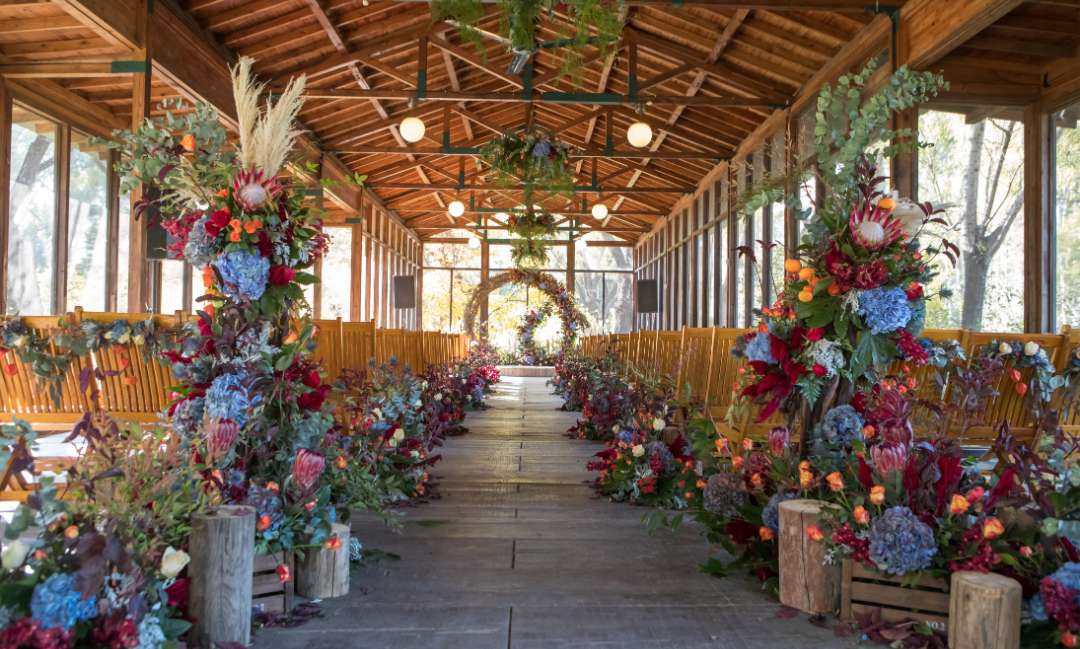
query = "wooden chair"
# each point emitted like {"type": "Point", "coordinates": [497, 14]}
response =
{"type": "Point", "coordinates": [696, 363]}
{"type": "Point", "coordinates": [329, 347]}
{"type": "Point", "coordinates": [357, 344]}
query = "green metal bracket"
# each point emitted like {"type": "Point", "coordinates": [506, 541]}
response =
{"type": "Point", "coordinates": [355, 220]}
{"type": "Point", "coordinates": [676, 4]}
{"type": "Point", "coordinates": [585, 202]}
{"type": "Point", "coordinates": [313, 193]}
{"type": "Point", "coordinates": [460, 150]}
{"type": "Point", "coordinates": [602, 98]}
{"type": "Point", "coordinates": [779, 106]}
{"type": "Point", "coordinates": [472, 203]}
{"type": "Point", "coordinates": [609, 148]}
{"type": "Point", "coordinates": [633, 88]}
{"type": "Point", "coordinates": [446, 139]}
{"type": "Point", "coordinates": [150, 7]}
{"type": "Point", "coordinates": [527, 88]}
{"type": "Point", "coordinates": [421, 84]}
{"type": "Point", "coordinates": [892, 12]}
{"type": "Point", "coordinates": [594, 180]}
{"type": "Point", "coordinates": [461, 178]}
{"type": "Point", "coordinates": [124, 67]}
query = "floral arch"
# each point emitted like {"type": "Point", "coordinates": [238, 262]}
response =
{"type": "Point", "coordinates": [573, 320]}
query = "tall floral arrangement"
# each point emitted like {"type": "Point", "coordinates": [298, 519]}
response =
{"type": "Point", "coordinates": [573, 320]}
{"type": "Point", "coordinates": [533, 160]}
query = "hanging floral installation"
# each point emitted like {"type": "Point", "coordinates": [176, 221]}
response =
{"type": "Point", "coordinates": [573, 319]}
{"type": "Point", "coordinates": [527, 332]}
{"type": "Point", "coordinates": [581, 24]}
{"type": "Point", "coordinates": [534, 228]}
{"type": "Point", "coordinates": [532, 160]}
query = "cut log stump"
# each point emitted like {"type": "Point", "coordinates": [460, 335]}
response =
{"type": "Point", "coordinates": [984, 611]}
{"type": "Point", "coordinates": [222, 552]}
{"type": "Point", "coordinates": [325, 573]}
{"type": "Point", "coordinates": [806, 581]}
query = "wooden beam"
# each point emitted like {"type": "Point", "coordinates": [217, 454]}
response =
{"type": "Point", "coordinates": [5, 182]}
{"type": "Point", "coordinates": [580, 153]}
{"type": "Point", "coordinates": [114, 20]}
{"type": "Point", "coordinates": [138, 280]}
{"type": "Point", "coordinates": [27, 25]}
{"type": "Point", "coordinates": [417, 187]}
{"type": "Point", "coordinates": [548, 98]}
{"type": "Point", "coordinates": [60, 70]}
{"type": "Point", "coordinates": [935, 28]}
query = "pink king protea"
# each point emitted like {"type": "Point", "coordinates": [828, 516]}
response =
{"type": "Point", "coordinates": [252, 190]}
{"type": "Point", "coordinates": [307, 468]}
{"type": "Point", "coordinates": [778, 440]}
{"type": "Point", "coordinates": [221, 433]}
{"type": "Point", "coordinates": [889, 455]}
{"type": "Point", "coordinates": [874, 228]}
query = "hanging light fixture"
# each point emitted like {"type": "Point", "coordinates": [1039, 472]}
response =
{"type": "Point", "coordinates": [412, 129]}
{"type": "Point", "coordinates": [580, 245]}
{"type": "Point", "coordinates": [474, 242]}
{"type": "Point", "coordinates": [599, 211]}
{"type": "Point", "coordinates": [456, 209]}
{"type": "Point", "coordinates": [639, 134]}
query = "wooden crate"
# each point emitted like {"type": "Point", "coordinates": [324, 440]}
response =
{"type": "Point", "coordinates": [862, 589]}
{"type": "Point", "coordinates": [267, 592]}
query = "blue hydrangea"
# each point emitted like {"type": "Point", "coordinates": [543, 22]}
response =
{"type": "Point", "coordinates": [624, 435]}
{"type": "Point", "coordinates": [201, 248]}
{"type": "Point", "coordinates": [900, 542]}
{"type": "Point", "coordinates": [227, 398]}
{"type": "Point", "coordinates": [542, 149]}
{"type": "Point", "coordinates": [842, 424]}
{"type": "Point", "coordinates": [1069, 577]}
{"type": "Point", "coordinates": [188, 417]}
{"type": "Point", "coordinates": [247, 272]}
{"type": "Point", "coordinates": [1037, 607]}
{"type": "Point", "coordinates": [918, 316]}
{"type": "Point", "coordinates": [57, 604]}
{"type": "Point", "coordinates": [759, 349]}
{"type": "Point", "coordinates": [770, 516]}
{"type": "Point", "coordinates": [884, 310]}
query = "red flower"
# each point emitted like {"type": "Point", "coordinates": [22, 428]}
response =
{"type": "Point", "coordinates": [307, 468]}
{"type": "Point", "coordinates": [312, 380]}
{"type": "Point", "coordinates": [218, 220]}
{"type": "Point", "coordinates": [740, 531]}
{"type": "Point", "coordinates": [815, 334]}
{"type": "Point", "coordinates": [914, 293]}
{"type": "Point", "coordinates": [283, 574]}
{"type": "Point", "coordinates": [819, 370]}
{"type": "Point", "coordinates": [281, 275]}
{"type": "Point", "coordinates": [872, 275]}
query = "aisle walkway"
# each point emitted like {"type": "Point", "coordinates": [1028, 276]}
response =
{"type": "Point", "coordinates": [519, 553]}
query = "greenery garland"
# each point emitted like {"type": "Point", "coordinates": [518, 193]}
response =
{"type": "Point", "coordinates": [518, 24]}
{"type": "Point", "coordinates": [533, 159]}
{"type": "Point", "coordinates": [534, 229]}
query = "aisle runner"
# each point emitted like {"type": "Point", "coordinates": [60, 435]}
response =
{"type": "Point", "coordinates": [519, 552]}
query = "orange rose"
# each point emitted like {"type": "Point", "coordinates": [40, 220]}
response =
{"type": "Point", "coordinates": [235, 236]}
{"type": "Point", "coordinates": [721, 445]}
{"type": "Point", "coordinates": [737, 461]}
{"type": "Point", "coordinates": [868, 431]}
{"type": "Point", "coordinates": [993, 528]}
{"type": "Point", "coordinates": [333, 543]}
{"type": "Point", "coordinates": [236, 224]}
{"type": "Point", "coordinates": [263, 523]}
{"type": "Point", "coordinates": [71, 532]}
{"type": "Point", "coordinates": [188, 142]}
{"type": "Point", "coordinates": [701, 484]}
{"type": "Point", "coordinates": [283, 574]}
{"type": "Point", "coordinates": [755, 481]}
{"type": "Point", "coordinates": [877, 495]}
{"type": "Point", "coordinates": [1068, 639]}
{"type": "Point", "coordinates": [836, 483]}
{"type": "Point", "coordinates": [251, 226]}
{"type": "Point", "coordinates": [766, 534]}
{"type": "Point", "coordinates": [272, 486]}
{"type": "Point", "coordinates": [748, 444]}
{"type": "Point", "coordinates": [815, 533]}
{"type": "Point", "coordinates": [207, 276]}
{"type": "Point", "coordinates": [223, 193]}
{"type": "Point", "coordinates": [958, 504]}
{"type": "Point", "coordinates": [805, 478]}
{"type": "Point", "coordinates": [862, 517]}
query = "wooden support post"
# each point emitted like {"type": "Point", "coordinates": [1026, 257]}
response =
{"type": "Point", "coordinates": [222, 551]}
{"type": "Point", "coordinates": [62, 167]}
{"type": "Point", "coordinates": [324, 573]}
{"type": "Point", "coordinates": [1038, 221]}
{"type": "Point", "coordinates": [5, 184]}
{"type": "Point", "coordinates": [806, 582]}
{"type": "Point", "coordinates": [138, 277]}
{"type": "Point", "coordinates": [112, 236]}
{"type": "Point", "coordinates": [984, 611]}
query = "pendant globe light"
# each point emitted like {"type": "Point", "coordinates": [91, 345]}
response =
{"type": "Point", "coordinates": [456, 209]}
{"type": "Point", "coordinates": [580, 245]}
{"type": "Point", "coordinates": [639, 134]}
{"type": "Point", "coordinates": [599, 211]}
{"type": "Point", "coordinates": [412, 129]}
{"type": "Point", "coordinates": [474, 242]}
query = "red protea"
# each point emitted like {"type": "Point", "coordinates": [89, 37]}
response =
{"type": "Point", "coordinates": [892, 416]}
{"type": "Point", "coordinates": [778, 440]}
{"type": "Point", "coordinates": [889, 455]}
{"type": "Point", "coordinates": [874, 228]}
{"type": "Point", "coordinates": [220, 436]}
{"type": "Point", "coordinates": [252, 189]}
{"type": "Point", "coordinates": [307, 468]}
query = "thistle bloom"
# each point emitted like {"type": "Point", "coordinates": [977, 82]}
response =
{"type": "Point", "coordinates": [778, 440]}
{"type": "Point", "coordinates": [307, 468]}
{"type": "Point", "coordinates": [958, 504]}
{"type": "Point", "coordinates": [889, 455]}
{"type": "Point", "coordinates": [815, 533]}
{"type": "Point", "coordinates": [877, 495]}
{"type": "Point", "coordinates": [993, 528]}
{"type": "Point", "coordinates": [862, 516]}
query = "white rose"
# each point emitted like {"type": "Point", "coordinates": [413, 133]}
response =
{"type": "Point", "coordinates": [398, 436]}
{"type": "Point", "coordinates": [14, 555]}
{"type": "Point", "coordinates": [639, 450]}
{"type": "Point", "coordinates": [438, 397]}
{"type": "Point", "coordinates": [658, 424]}
{"type": "Point", "coordinates": [615, 429]}
{"type": "Point", "coordinates": [423, 386]}
{"type": "Point", "coordinates": [1005, 348]}
{"type": "Point", "coordinates": [378, 413]}
{"type": "Point", "coordinates": [1032, 348]}
{"type": "Point", "coordinates": [173, 561]}
{"type": "Point", "coordinates": [418, 404]}
{"type": "Point", "coordinates": [415, 454]}
{"type": "Point", "coordinates": [140, 339]}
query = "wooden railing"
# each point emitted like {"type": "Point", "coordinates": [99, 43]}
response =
{"type": "Point", "coordinates": [702, 358]}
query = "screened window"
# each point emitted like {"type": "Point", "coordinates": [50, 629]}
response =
{"type": "Point", "coordinates": [1066, 206]}
{"type": "Point", "coordinates": [88, 225]}
{"type": "Point", "coordinates": [31, 246]}
{"type": "Point", "coordinates": [337, 275]}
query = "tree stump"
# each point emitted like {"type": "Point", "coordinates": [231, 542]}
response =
{"type": "Point", "coordinates": [222, 547]}
{"type": "Point", "coordinates": [806, 581]}
{"type": "Point", "coordinates": [325, 573]}
{"type": "Point", "coordinates": [984, 611]}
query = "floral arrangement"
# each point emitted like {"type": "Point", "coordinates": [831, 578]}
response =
{"type": "Point", "coordinates": [533, 229]}
{"type": "Point", "coordinates": [577, 20]}
{"type": "Point", "coordinates": [527, 332]}
{"type": "Point", "coordinates": [532, 160]}
{"type": "Point", "coordinates": [51, 358]}
{"type": "Point", "coordinates": [104, 566]}
{"type": "Point", "coordinates": [573, 320]}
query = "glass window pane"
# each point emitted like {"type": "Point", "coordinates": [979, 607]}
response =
{"type": "Point", "coordinates": [123, 248]}
{"type": "Point", "coordinates": [589, 293]}
{"type": "Point", "coordinates": [465, 282]}
{"type": "Point", "coordinates": [87, 225]}
{"type": "Point", "coordinates": [31, 243]}
{"type": "Point", "coordinates": [618, 303]}
{"type": "Point", "coordinates": [1067, 212]}
{"type": "Point", "coordinates": [710, 277]}
{"type": "Point", "coordinates": [976, 172]}
{"type": "Point", "coordinates": [172, 286]}
{"type": "Point", "coordinates": [506, 311]}
{"type": "Point", "coordinates": [437, 300]}
{"type": "Point", "coordinates": [451, 255]}
{"type": "Point", "coordinates": [776, 260]}
{"type": "Point", "coordinates": [337, 275]}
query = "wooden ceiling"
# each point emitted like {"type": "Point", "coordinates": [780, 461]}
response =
{"type": "Point", "coordinates": [755, 57]}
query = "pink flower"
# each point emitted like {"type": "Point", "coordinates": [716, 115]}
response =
{"type": "Point", "coordinates": [974, 495]}
{"type": "Point", "coordinates": [307, 468]}
{"type": "Point", "coordinates": [889, 455]}
{"type": "Point", "coordinates": [778, 440]}
{"type": "Point", "coordinates": [221, 436]}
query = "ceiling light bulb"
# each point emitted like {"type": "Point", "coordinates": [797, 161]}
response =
{"type": "Point", "coordinates": [639, 134]}
{"type": "Point", "coordinates": [474, 243]}
{"type": "Point", "coordinates": [580, 245]}
{"type": "Point", "coordinates": [599, 211]}
{"type": "Point", "coordinates": [457, 208]}
{"type": "Point", "coordinates": [412, 129]}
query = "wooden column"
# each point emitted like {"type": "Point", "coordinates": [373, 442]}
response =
{"type": "Point", "coordinates": [984, 611]}
{"type": "Point", "coordinates": [222, 549]}
{"type": "Point", "coordinates": [485, 273]}
{"type": "Point", "coordinates": [112, 236]}
{"type": "Point", "coordinates": [905, 167]}
{"type": "Point", "coordinates": [1038, 222]}
{"type": "Point", "coordinates": [62, 169]}
{"type": "Point", "coordinates": [806, 581]}
{"type": "Point", "coordinates": [141, 103]}
{"type": "Point", "coordinates": [571, 260]}
{"type": "Point", "coordinates": [324, 573]}
{"type": "Point", "coordinates": [5, 185]}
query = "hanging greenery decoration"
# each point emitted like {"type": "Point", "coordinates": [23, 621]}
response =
{"type": "Point", "coordinates": [580, 24]}
{"type": "Point", "coordinates": [534, 229]}
{"type": "Point", "coordinates": [531, 160]}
